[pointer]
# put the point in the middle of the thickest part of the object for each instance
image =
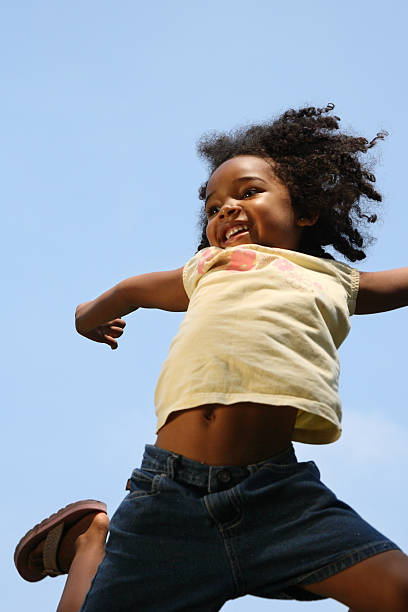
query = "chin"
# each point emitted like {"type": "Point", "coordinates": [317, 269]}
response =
{"type": "Point", "coordinates": [238, 242]}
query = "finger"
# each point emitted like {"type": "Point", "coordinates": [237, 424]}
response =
{"type": "Point", "coordinates": [115, 332]}
{"type": "Point", "coordinates": [111, 341]}
{"type": "Point", "coordinates": [118, 323]}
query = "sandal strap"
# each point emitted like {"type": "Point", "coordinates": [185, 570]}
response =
{"type": "Point", "coordinates": [50, 551]}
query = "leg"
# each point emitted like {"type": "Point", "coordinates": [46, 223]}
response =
{"type": "Point", "coordinates": [164, 552]}
{"type": "Point", "coordinates": [376, 584]}
{"type": "Point", "coordinates": [79, 554]}
{"type": "Point", "coordinates": [71, 541]}
{"type": "Point", "coordinates": [86, 551]}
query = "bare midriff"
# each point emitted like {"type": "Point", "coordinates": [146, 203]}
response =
{"type": "Point", "coordinates": [239, 434]}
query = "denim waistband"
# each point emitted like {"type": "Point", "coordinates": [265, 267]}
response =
{"type": "Point", "coordinates": [212, 477]}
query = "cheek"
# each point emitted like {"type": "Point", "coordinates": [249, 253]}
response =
{"type": "Point", "coordinates": [209, 231]}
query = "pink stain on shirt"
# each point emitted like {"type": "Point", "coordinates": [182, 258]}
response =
{"type": "Point", "coordinates": [283, 264]}
{"type": "Point", "coordinates": [241, 260]}
{"type": "Point", "coordinates": [206, 256]}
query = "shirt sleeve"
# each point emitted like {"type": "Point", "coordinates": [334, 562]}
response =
{"type": "Point", "coordinates": [350, 279]}
{"type": "Point", "coordinates": [196, 267]}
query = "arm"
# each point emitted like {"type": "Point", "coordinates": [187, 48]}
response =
{"type": "Point", "coordinates": [382, 291]}
{"type": "Point", "coordinates": [164, 290]}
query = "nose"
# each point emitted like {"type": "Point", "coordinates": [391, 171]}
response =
{"type": "Point", "coordinates": [229, 210]}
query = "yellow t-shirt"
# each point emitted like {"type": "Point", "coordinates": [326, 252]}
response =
{"type": "Point", "coordinates": [263, 325]}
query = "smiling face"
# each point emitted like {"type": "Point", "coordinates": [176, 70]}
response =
{"type": "Point", "coordinates": [247, 204]}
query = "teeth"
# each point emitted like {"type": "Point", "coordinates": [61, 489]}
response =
{"type": "Point", "coordinates": [235, 230]}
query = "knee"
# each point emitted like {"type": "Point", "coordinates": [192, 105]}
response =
{"type": "Point", "coordinates": [95, 530]}
{"type": "Point", "coordinates": [398, 595]}
{"type": "Point", "coordinates": [392, 597]}
{"type": "Point", "coordinates": [404, 595]}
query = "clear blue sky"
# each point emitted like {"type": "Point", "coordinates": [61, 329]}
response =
{"type": "Point", "coordinates": [101, 104]}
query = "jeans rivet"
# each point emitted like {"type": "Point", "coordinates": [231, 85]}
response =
{"type": "Point", "coordinates": [224, 476]}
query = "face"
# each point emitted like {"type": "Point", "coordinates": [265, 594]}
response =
{"type": "Point", "coordinates": [247, 204]}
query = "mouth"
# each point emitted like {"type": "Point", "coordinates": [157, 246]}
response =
{"type": "Point", "coordinates": [233, 233]}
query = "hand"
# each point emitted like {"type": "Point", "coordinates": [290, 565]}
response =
{"type": "Point", "coordinates": [106, 333]}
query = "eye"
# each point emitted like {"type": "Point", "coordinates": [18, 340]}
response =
{"type": "Point", "coordinates": [211, 211]}
{"type": "Point", "coordinates": [249, 192]}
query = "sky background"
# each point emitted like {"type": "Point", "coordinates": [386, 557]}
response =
{"type": "Point", "coordinates": [102, 104]}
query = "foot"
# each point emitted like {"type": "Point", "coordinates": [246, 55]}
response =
{"type": "Point", "coordinates": [89, 531]}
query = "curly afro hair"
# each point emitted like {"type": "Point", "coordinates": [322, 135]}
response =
{"type": "Point", "coordinates": [320, 166]}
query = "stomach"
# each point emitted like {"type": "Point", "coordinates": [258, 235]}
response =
{"type": "Point", "coordinates": [238, 434]}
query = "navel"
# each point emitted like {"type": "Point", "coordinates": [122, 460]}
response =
{"type": "Point", "coordinates": [209, 414]}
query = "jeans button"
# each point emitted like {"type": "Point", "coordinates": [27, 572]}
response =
{"type": "Point", "coordinates": [224, 476]}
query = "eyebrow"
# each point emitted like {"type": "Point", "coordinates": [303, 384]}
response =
{"type": "Point", "coordinates": [238, 180]}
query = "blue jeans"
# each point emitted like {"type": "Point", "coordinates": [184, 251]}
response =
{"type": "Point", "coordinates": [190, 536]}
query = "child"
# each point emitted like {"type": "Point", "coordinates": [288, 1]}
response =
{"type": "Point", "coordinates": [220, 507]}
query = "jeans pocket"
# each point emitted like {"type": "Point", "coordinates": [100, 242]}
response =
{"type": "Point", "coordinates": [143, 483]}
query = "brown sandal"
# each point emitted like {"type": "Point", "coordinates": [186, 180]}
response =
{"type": "Point", "coordinates": [51, 530]}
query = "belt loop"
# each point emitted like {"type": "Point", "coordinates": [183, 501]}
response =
{"type": "Point", "coordinates": [172, 461]}
{"type": "Point", "coordinates": [252, 468]}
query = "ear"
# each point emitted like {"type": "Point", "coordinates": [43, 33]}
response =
{"type": "Point", "coordinates": [307, 221]}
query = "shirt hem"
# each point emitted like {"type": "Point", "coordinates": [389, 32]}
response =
{"type": "Point", "coordinates": [329, 430]}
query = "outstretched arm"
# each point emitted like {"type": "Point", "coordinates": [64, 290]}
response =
{"type": "Point", "coordinates": [382, 291]}
{"type": "Point", "coordinates": [100, 319]}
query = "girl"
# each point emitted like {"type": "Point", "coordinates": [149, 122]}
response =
{"type": "Point", "coordinates": [220, 506]}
